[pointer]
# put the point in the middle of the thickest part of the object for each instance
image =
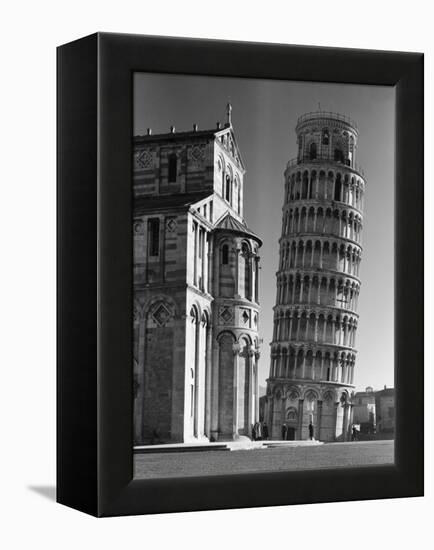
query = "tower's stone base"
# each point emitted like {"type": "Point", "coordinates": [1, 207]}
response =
{"type": "Point", "coordinates": [292, 407]}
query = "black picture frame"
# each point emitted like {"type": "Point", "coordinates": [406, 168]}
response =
{"type": "Point", "coordinates": [94, 374]}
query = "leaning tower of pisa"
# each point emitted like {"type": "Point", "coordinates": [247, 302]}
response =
{"type": "Point", "coordinates": [313, 351]}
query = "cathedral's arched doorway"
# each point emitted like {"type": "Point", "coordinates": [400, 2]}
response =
{"type": "Point", "coordinates": [291, 422]}
{"type": "Point", "coordinates": [290, 433]}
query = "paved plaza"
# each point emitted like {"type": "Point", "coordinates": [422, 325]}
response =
{"type": "Point", "coordinates": [205, 463]}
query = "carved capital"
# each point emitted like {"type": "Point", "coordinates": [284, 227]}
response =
{"type": "Point", "coordinates": [236, 348]}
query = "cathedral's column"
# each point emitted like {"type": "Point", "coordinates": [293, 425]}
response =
{"type": "Point", "coordinates": [197, 377]}
{"type": "Point", "coordinates": [252, 277]}
{"type": "Point", "coordinates": [257, 279]}
{"type": "Point", "coordinates": [196, 231]}
{"type": "Point", "coordinates": [215, 391]}
{"type": "Point", "coordinates": [208, 375]}
{"type": "Point", "coordinates": [205, 261]}
{"type": "Point", "coordinates": [236, 355]}
{"type": "Point", "coordinates": [256, 375]}
{"type": "Point", "coordinates": [251, 390]}
{"type": "Point", "coordinates": [237, 271]}
{"type": "Point", "coordinates": [210, 274]}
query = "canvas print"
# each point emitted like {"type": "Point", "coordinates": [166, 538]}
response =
{"type": "Point", "coordinates": [263, 275]}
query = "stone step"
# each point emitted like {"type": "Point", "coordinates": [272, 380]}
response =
{"type": "Point", "coordinates": [180, 448]}
{"type": "Point", "coordinates": [293, 443]}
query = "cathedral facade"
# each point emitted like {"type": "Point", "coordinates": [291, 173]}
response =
{"type": "Point", "coordinates": [196, 305]}
{"type": "Point", "coordinates": [315, 317]}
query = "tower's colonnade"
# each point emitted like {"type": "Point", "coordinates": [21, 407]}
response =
{"type": "Point", "coordinates": [313, 351]}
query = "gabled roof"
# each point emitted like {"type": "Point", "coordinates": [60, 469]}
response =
{"type": "Point", "coordinates": [236, 155]}
{"type": "Point", "coordinates": [215, 134]}
{"type": "Point", "coordinates": [228, 223]}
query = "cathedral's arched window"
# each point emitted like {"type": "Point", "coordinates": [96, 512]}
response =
{"type": "Point", "coordinates": [227, 194]}
{"type": "Point", "coordinates": [173, 161]}
{"type": "Point", "coordinates": [245, 272]}
{"type": "Point", "coordinates": [154, 236]}
{"type": "Point", "coordinates": [225, 254]}
{"type": "Point", "coordinates": [312, 151]}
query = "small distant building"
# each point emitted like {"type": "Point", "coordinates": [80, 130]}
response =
{"type": "Point", "coordinates": [385, 411]}
{"type": "Point", "coordinates": [364, 410]}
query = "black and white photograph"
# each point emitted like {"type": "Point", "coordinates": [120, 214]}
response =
{"type": "Point", "coordinates": [216, 289]}
{"type": "Point", "coordinates": [263, 275]}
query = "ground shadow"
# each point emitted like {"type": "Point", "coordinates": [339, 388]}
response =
{"type": "Point", "coordinates": [47, 491]}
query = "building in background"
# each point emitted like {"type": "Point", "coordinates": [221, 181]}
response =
{"type": "Point", "coordinates": [385, 411]}
{"type": "Point", "coordinates": [196, 305]}
{"type": "Point", "coordinates": [315, 317]}
{"type": "Point", "coordinates": [364, 413]}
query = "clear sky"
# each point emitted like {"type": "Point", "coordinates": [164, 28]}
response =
{"type": "Point", "coordinates": [264, 117]}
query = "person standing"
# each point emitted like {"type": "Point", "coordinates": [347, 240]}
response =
{"type": "Point", "coordinates": [284, 432]}
{"type": "Point", "coordinates": [354, 437]}
{"type": "Point", "coordinates": [310, 431]}
{"type": "Point", "coordinates": [258, 431]}
{"type": "Point", "coordinates": [265, 431]}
